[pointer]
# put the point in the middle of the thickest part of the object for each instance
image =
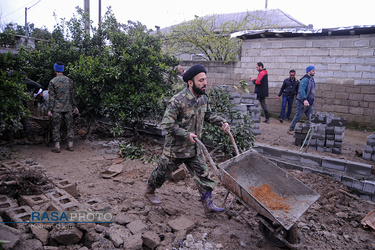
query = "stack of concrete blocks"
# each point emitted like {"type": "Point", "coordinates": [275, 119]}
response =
{"type": "Point", "coordinates": [327, 133]}
{"type": "Point", "coordinates": [245, 104]}
{"type": "Point", "coordinates": [369, 152]}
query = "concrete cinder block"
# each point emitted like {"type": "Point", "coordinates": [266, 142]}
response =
{"type": "Point", "coordinates": [369, 187]}
{"type": "Point", "coordinates": [347, 181]}
{"type": "Point", "coordinates": [33, 201]}
{"type": "Point", "coordinates": [70, 188]}
{"type": "Point", "coordinates": [337, 164]}
{"type": "Point", "coordinates": [330, 143]}
{"type": "Point", "coordinates": [340, 122]}
{"type": "Point", "coordinates": [339, 137]}
{"type": "Point", "coordinates": [6, 203]}
{"type": "Point", "coordinates": [63, 200]}
{"type": "Point", "coordinates": [371, 140]}
{"type": "Point", "coordinates": [330, 136]}
{"type": "Point", "coordinates": [294, 156]}
{"type": "Point", "coordinates": [368, 149]}
{"type": "Point", "coordinates": [311, 159]}
{"type": "Point", "coordinates": [339, 130]}
{"type": "Point", "coordinates": [358, 185]}
{"type": "Point", "coordinates": [18, 215]}
{"type": "Point", "coordinates": [358, 168]}
{"type": "Point", "coordinates": [336, 151]}
{"type": "Point", "coordinates": [366, 156]}
{"type": "Point", "coordinates": [338, 144]}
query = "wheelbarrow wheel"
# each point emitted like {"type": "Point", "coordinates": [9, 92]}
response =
{"type": "Point", "coordinates": [289, 237]}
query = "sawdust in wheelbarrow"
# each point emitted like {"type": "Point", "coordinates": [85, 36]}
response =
{"type": "Point", "coordinates": [265, 195]}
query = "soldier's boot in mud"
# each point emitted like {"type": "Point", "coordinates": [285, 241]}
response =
{"type": "Point", "coordinates": [208, 203]}
{"type": "Point", "coordinates": [150, 195]}
{"type": "Point", "coordinates": [56, 149]}
{"type": "Point", "coordinates": [70, 146]}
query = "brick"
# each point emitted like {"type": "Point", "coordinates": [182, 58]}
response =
{"type": "Point", "coordinates": [334, 164]}
{"type": "Point", "coordinates": [6, 203]}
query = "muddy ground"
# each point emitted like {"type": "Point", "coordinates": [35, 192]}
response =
{"type": "Point", "coordinates": [333, 222]}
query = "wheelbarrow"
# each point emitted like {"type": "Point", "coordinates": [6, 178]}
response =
{"type": "Point", "coordinates": [46, 124]}
{"type": "Point", "coordinates": [250, 170]}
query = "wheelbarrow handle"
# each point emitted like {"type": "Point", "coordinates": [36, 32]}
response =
{"type": "Point", "coordinates": [207, 154]}
{"type": "Point", "coordinates": [231, 139]}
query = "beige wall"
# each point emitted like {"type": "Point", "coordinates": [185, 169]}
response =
{"type": "Point", "coordinates": [345, 71]}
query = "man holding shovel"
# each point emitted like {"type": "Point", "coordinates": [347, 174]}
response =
{"type": "Point", "coordinates": [183, 121]}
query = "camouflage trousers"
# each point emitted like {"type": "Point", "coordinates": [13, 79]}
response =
{"type": "Point", "coordinates": [57, 118]}
{"type": "Point", "coordinates": [195, 165]}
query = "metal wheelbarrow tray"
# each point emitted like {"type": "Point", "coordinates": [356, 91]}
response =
{"type": "Point", "coordinates": [249, 170]}
{"type": "Point", "coordinates": [252, 170]}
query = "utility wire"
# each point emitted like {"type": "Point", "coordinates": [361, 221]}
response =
{"type": "Point", "coordinates": [20, 8]}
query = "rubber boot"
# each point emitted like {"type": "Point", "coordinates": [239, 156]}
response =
{"type": "Point", "coordinates": [150, 195]}
{"type": "Point", "coordinates": [56, 149]}
{"type": "Point", "coordinates": [70, 146]}
{"type": "Point", "coordinates": [208, 203]}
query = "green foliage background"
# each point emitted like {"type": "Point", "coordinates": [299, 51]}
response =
{"type": "Point", "coordinates": [119, 71]}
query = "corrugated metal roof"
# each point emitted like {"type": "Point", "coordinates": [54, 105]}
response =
{"type": "Point", "coordinates": [266, 19]}
{"type": "Point", "coordinates": [339, 31]}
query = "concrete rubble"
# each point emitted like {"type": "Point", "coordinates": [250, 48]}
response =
{"type": "Point", "coordinates": [128, 231]}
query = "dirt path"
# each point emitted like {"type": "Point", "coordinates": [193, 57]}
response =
{"type": "Point", "coordinates": [333, 222]}
{"type": "Point", "coordinates": [275, 134]}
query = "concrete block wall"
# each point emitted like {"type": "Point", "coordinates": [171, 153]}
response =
{"type": "Point", "coordinates": [358, 177]}
{"type": "Point", "coordinates": [345, 71]}
{"type": "Point", "coordinates": [369, 151]}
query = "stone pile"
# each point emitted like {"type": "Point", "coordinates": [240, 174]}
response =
{"type": "Point", "coordinates": [327, 133]}
{"type": "Point", "coordinates": [246, 104]}
{"type": "Point", "coordinates": [369, 152]}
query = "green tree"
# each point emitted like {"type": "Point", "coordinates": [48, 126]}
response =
{"type": "Point", "coordinates": [203, 35]}
{"type": "Point", "coordinates": [12, 94]}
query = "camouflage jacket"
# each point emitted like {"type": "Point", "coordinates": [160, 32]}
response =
{"type": "Point", "coordinates": [184, 114]}
{"type": "Point", "coordinates": [61, 94]}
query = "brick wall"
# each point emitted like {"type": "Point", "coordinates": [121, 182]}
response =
{"type": "Point", "coordinates": [345, 71]}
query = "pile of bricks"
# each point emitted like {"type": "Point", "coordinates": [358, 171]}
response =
{"type": "Point", "coordinates": [327, 133]}
{"type": "Point", "coordinates": [369, 152]}
{"type": "Point", "coordinates": [246, 104]}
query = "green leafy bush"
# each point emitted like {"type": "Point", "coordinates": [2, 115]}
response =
{"type": "Point", "coordinates": [221, 104]}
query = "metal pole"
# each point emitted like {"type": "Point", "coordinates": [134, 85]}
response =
{"type": "Point", "coordinates": [266, 3]}
{"type": "Point", "coordinates": [26, 29]}
{"type": "Point", "coordinates": [100, 12]}
{"type": "Point", "coordinates": [87, 11]}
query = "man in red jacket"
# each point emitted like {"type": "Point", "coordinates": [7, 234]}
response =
{"type": "Point", "coordinates": [261, 89]}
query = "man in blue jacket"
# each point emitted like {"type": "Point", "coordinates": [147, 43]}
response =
{"type": "Point", "coordinates": [289, 89]}
{"type": "Point", "coordinates": [305, 97]}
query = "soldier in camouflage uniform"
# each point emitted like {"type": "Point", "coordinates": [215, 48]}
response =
{"type": "Point", "coordinates": [61, 105]}
{"type": "Point", "coordinates": [183, 121]}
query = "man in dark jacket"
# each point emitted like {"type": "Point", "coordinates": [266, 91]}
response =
{"type": "Point", "coordinates": [261, 89]}
{"type": "Point", "coordinates": [288, 90]}
{"type": "Point", "coordinates": [305, 97]}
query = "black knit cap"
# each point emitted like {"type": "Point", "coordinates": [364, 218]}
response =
{"type": "Point", "coordinates": [193, 71]}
